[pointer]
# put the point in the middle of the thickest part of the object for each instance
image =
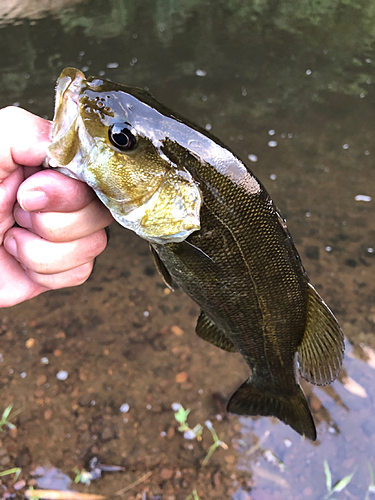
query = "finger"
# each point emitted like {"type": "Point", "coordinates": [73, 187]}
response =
{"type": "Point", "coordinates": [50, 191]}
{"type": "Point", "coordinates": [45, 257]}
{"type": "Point", "coordinates": [73, 277]}
{"type": "Point", "coordinates": [64, 227]}
{"type": "Point", "coordinates": [15, 285]}
{"type": "Point", "coordinates": [8, 192]}
{"type": "Point", "coordinates": [26, 137]}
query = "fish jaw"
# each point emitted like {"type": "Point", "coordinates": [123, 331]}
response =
{"type": "Point", "coordinates": [64, 147]}
{"type": "Point", "coordinates": [168, 208]}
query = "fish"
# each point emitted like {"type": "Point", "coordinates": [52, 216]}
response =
{"type": "Point", "coordinates": [213, 231]}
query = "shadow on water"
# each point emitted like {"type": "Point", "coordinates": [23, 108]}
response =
{"type": "Point", "coordinates": [289, 86]}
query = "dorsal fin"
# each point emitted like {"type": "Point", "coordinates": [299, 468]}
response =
{"type": "Point", "coordinates": [207, 330]}
{"type": "Point", "coordinates": [321, 351]}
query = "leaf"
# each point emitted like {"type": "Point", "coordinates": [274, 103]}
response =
{"type": "Point", "coordinates": [343, 483]}
{"type": "Point", "coordinates": [6, 413]}
{"type": "Point", "coordinates": [328, 475]}
{"type": "Point", "coordinates": [181, 415]}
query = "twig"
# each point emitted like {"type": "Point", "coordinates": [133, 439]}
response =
{"type": "Point", "coordinates": [136, 483]}
{"type": "Point", "coordinates": [62, 495]}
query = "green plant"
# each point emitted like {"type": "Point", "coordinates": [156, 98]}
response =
{"type": "Point", "coordinates": [181, 416]}
{"type": "Point", "coordinates": [339, 486]}
{"type": "Point", "coordinates": [196, 433]}
{"type": "Point", "coordinates": [193, 495]}
{"type": "Point", "coordinates": [4, 421]}
{"type": "Point", "coordinates": [16, 471]}
{"type": "Point", "coordinates": [371, 486]}
{"type": "Point", "coordinates": [82, 476]}
{"type": "Point", "coordinates": [217, 442]}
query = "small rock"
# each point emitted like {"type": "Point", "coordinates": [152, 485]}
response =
{"type": "Point", "coordinates": [85, 400]}
{"type": "Point", "coordinates": [48, 414]}
{"type": "Point", "coordinates": [30, 343]}
{"type": "Point", "coordinates": [181, 377]}
{"type": "Point", "coordinates": [177, 330]}
{"type": "Point", "coordinates": [41, 380]}
{"type": "Point", "coordinates": [19, 485]}
{"type": "Point", "coordinates": [171, 432]}
{"type": "Point", "coordinates": [108, 433]}
{"type": "Point", "coordinates": [166, 473]}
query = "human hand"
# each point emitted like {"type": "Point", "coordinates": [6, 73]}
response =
{"type": "Point", "coordinates": [62, 222]}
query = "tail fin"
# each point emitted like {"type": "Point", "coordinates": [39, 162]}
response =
{"type": "Point", "coordinates": [292, 410]}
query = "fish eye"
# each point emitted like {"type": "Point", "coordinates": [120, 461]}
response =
{"type": "Point", "coordinates": [121, 137]}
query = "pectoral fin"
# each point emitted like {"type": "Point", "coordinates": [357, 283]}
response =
{"type": "Point", "coordinates": [321, 351]}
{"type": "Point", "coordinates": [167, 278]}
{"type": "Point", "coordinates": [207, 330]}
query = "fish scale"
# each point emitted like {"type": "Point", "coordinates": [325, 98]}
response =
{"type": "Point", "coordinates": [213, 230]}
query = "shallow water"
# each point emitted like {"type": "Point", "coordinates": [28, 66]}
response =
{"type": "Point", "coordinates": [288, 85]}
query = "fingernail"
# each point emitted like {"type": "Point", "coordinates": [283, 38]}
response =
{"type": "Point", "coordinates": [22, 217]}
{"type": "Point", "coordinates": [10, 245]}
{"type": "Point", "coordinates": [33, 200]}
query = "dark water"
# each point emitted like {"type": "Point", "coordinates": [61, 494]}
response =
{"type": "Point", "coordinates": [289, 83]}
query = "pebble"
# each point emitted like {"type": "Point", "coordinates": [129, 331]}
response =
{"type": "Point", "coordinates": [230, 459]}
{"type": "Point", "coordinates": [363, 197]}
{"type": "Point", "coordinates": [181, 377]}
{"type": "Point", "coordinates": [107, 434]}
{"type": "Point", "coordinates": [41, 380]}
{"type": "Point", "coordinates": [177, 330]}
{"type": "Point", "coordinates": [124, 408]}
{"type": "Point", "coordinates": [253, 158]}
{"type": "Point", "coordinates": [30, 343]}
{"type": "Point", "coordinates": [62, 375]}
{"type": "Point", "coordinates": [166, 473]}
{"type": "Point", "coordinates": [48, 414]}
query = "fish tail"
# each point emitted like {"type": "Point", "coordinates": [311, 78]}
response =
{"type": "Point", "coordinates": [293, 409]}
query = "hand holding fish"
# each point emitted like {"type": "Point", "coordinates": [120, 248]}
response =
{"type": "Point", "coordinates": [61, 222]}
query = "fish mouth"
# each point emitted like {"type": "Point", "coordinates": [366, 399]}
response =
{"type": "Point", "coordinates": [67, 102]}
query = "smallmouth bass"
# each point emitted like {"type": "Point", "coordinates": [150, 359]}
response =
{"type": "Point", "coordinates": [213, 230]}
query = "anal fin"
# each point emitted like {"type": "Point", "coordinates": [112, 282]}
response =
{"type": "Point", "coordinates": [207, 330]}
{"type": "Point", "coordinates": [321, 351]}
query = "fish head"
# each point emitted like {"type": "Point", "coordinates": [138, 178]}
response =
{"type": "Point", "coordinates": [112, 137]}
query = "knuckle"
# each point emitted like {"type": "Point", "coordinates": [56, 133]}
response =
{"type": "Point", "coordinates": [98, 244]}
{"type": "Point", "coordinates": [50, 227]}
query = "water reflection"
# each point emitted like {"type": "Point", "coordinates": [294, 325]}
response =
{"type": "Point", "coordinates": [288, 85]}
{"type": "Point", "coordinates": [351, 439]}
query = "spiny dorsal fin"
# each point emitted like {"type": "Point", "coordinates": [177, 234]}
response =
{"type": "Point", "coordinates": [207, 330]}
{"type": "Point", "coordinates": [163, 271]}
{"type": "Point", "coordinates": [321, 351]}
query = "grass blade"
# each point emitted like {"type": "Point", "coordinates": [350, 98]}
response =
{"type": "Point", "coordinates": [328, 476]}
{"type": "Point", "coordinates": [343, 483]}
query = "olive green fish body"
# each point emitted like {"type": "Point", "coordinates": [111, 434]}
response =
{"type": "Point", "coordinates": [244, 272]}
{"type": "Point", "coordinates": [213, 230]}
